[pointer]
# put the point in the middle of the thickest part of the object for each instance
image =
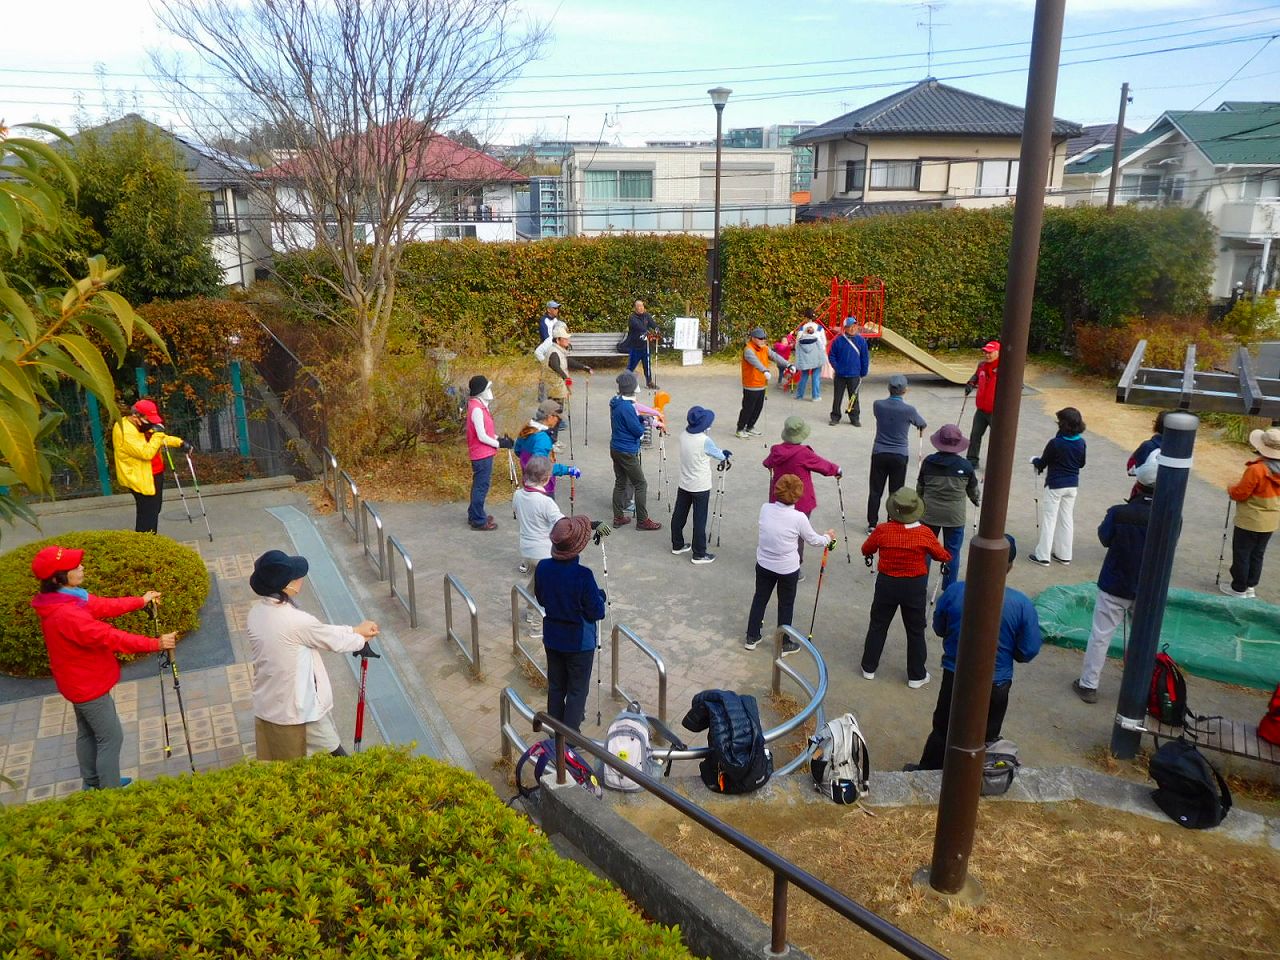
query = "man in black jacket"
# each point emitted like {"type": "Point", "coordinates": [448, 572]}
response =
{"type": "Point", "coordinates": [639, 328]}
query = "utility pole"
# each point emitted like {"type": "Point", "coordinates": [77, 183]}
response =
{"type": "Point", "coordinates": [1153, 581]}
{"type": "Point", "coordinates": [989, 551]}
{"type": "Point", "coordinates": [1117, 146]}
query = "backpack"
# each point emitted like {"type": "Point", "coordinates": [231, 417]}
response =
{"type": "Point", "coordinates": [1167, 701]}
{"type": "Point", "coordinates": [1188, 788]}
{"type": "Point", "coordinates": [738, 761]}
{"type": "Point", "coordinates": [1269, 725]}
{"type": "Point", "coordinates": [1000, 767]}
{"type": "Point", "coordinates": [628, 739]}
{"type": "Point", "coordinates": [543, 350]}
{"type": "Point", "coordinates": [841, 766]}
{"type": "Point", "coordinates": [543, 754]}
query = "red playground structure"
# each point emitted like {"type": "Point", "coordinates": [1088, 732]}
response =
{"type": "Point", "coordinates": [848, 299]}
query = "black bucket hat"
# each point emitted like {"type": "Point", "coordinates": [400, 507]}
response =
{"type": "Point", "coordinates": [275, 570]}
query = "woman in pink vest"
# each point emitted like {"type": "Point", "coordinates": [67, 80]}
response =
{"type": "Point", "coordinates": [483, 444]}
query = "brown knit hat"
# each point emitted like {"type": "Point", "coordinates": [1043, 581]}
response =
{"type": "Point", "coordinates": [570, 536]}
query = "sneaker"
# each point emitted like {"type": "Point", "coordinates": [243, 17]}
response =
{"type": "Point", "coordinates": [558, 447]}
{"type": "Point", "coordinates": [528, 616]}
{"type": "Point", "coordinates": [789, 647]}
{"type": "Point", "coordinates": [651, 385]}
{"type": "Point", "coordinates": [742, 435]}
{"type": "Point", "coordinates": [868, 674]}
{"type": "Point", "coordinates": [834, 421]}
{"type": "Point", "coordinates": [1058, 559]}
{"type": "Point", "coordinates": [871, 528]}
{"type": "Point", "coordinates": [1226, 588]}
{"type": "Point", "coordinates": [800, 577]}
{"type": "Point", "coordinates": [910, 767]}
{"type": "Point", "coordinates": [753, 432]}
{"type": "Point", "coordinates": [621, 521]}
{"type": "Point", "coordinates": [705, 558]}
{"type": "Point", "coordinates": [855, 423]}
{"type": "Point", "coordinates": [535, 631]}
{"type": "Point", "coordinates": [487, 525]}
{"type": "Point", "coordinates": [917, 684]}
{"type": "Point", "coordinates": [751, 643]}
{"type": "Point", "coordinates": [1087, 694]}
{"type": "Point", "coordinates": [648, 523]}
{"type": "Point", "coordinates": [1034, 559]}
{"type": "Point", "coordinates": [1251, 593]}
{"type": "Point", "coordinates": [524, 567]}
{"type": "Point", "coordinates": [676, 551]}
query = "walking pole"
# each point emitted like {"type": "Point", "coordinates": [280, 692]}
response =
{"type": "Point", "coordinates": [164, 705]}
{"type": "Point", "coordinates": [608, 606]}
{"type": "Point", "coordinates": [364, 654]}
{"type": "Point", "coordinates": [960, 419]}
{"type": "Point", "coordinates": [718, 520]}
{"type": "Point", "coordinates": [586, 414]}
{"type": "Point", "coordinates": [196, 483]}
{"type": "Point", "coordinates": [919, 445]}
{"type": "Point", "coordinates": [1226, 526]}
{"type": "Point", "coordinates": [818, 593]}
{"type": "Point", "coordinates": [174, 470]}
{"type": "Point", "coordinates": [1035, 491]}
{"type": "Point", "coordinates": [666, 473]}
{"type": "Point", "coordinates": [844, 524]}
{"type": "Point", "coordinates": [568, 409]}
{"type": "Point", "coordinates": [167, 660]}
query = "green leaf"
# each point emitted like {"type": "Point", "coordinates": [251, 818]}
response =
{"type": "Point", "coordinates": [89, 359]}
{"type": "Point", "coordinates": [12, 301]}
{"type": "Point", "coordinates": [15, 381]}
{"type": "Point", "coordinates": [110, 330]}
{"type": "Point", "coordinates": [18, 446]}
{"type": "Point", "coordinates": [53, 358]}
{"type": "Point", "coordinates": [54, 158]}
{"type": "Point", "coordinates": [10, 221]}
{"type": "Point", "coordinates": [49, 421]}
{"type": "Point", "coordinates": [152, 335]}
{"type": "Point", "coordinates": [123, 311]}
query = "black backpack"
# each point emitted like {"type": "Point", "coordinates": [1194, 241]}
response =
{"type": "Point", "coordinates": [1188, 788]}
{"type": "Point", "coordinates": [738, 761]}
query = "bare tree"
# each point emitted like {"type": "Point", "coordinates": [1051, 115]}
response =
{"type": "Point", "coordinates": [353, 94]}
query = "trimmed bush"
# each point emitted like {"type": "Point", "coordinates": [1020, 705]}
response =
{"type": "Point", "coordinates": [117, 563]}
{"type": "Point", "coordinates": [1105, 350]}
{"type": "Point", "coordinates": [378, 855]}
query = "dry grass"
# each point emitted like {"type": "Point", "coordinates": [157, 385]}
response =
{"type": "Point", "coordinates": [1262, 794]}
{"type": "Point", "coordinates": [1063, 880]}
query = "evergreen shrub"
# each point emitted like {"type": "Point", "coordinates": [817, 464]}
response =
{"type": "Point", "coordinates": [378, 855]}
{"type": "Point", "coordinates": [117, 563]}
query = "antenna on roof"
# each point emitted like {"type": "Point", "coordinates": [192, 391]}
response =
{"type": "Point", "coordinates": [929, 6]}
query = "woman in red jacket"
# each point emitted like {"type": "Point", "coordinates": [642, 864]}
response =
{"type": "Point", "coordinates": [82, 653]}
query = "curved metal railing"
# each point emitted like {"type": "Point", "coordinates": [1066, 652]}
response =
{"type": "Point", "coordinates": [453, 585]}
{"type": "Point", "coordinates": [519, 592]}
{"type": "Point", "coordinates": [621, 631]}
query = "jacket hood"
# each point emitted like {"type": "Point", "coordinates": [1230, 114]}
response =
{"type": "Point", "coordinates": [618, 399]}
{"type": "Point", "coordinates": [45, 603]}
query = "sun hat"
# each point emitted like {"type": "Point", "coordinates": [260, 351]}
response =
{"type": "Point", "coordinates": [1146, 474]}
{"type": "Point", "coordinates": [552, 305]}
{"type": "Point", "coordinates": [897, 384]}
{"type": "Point", "coordinates": [757, 333]}
{"type": "Point", "coordinates": [626, 381]}
{"type": "Point", "coordinates": [560, 332]}
{"type": "Point", "coordinates": [55, 559]}
{"type": "Point", "coordinates": [949, 439]}
{"type": "Point", "coordinates": [699, 419]}
{"type": "Point", "coordinates": [905, 505]}
{"type": "Point", "coordinates": [148, 410]}
{"type": "Point", "coordinates": [548, 408]}
{"type": "Point", "coordinates": [275, 570]}
{"type": "Point", "coordinates": [794, 430]}
{"type": "Point", "coordinates": [477, 385]}
{"type": "Point", "coordinates": [991, 346]}
{"type": "Point", "coordinates": [1266, 442]}
{"type": "Point", "coordinates": [570, 536]}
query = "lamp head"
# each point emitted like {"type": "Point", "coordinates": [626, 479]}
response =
{"type": "Point", "coordinates": [719, 96]}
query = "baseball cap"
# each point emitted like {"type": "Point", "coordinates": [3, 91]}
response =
{"type": "Point", "coordinates": [991, 346]}
{"type": "Point", "coordinates": [55, 559]}
{"type": "Point", "coordinates": [552, 305]}
{"type": "Point", "coordinates": [148, 410]}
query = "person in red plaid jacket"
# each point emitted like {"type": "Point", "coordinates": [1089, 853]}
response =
{"type": "Point", "coordinates": [902, 583]}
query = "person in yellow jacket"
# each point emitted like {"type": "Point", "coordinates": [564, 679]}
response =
{"type": "Point", "coordinates": [137, 439]}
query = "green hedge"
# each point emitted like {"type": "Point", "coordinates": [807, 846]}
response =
{"type": "Point", "coordinates": [117, 563]}
{"type": "Point", "coordinates": [379, 855]}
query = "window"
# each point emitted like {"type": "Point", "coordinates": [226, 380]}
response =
{"type": "Point", "coordinates": [618, 184]}
{"type": "Point", "coordinates": [1140, 186]}
{"type": "Point", "coordinates": [1175, 188]}
{"type": "Point", "coordinates": [1262, 186]}
{"type": "Point", "coordinates": [855, 176]}
{"type": "Point", "coordinates": [454, 231]}
{"type": "Point", "coordinates": [895, 175]}
{"type": "Point", "coordinates": [219, 216]}
{"type": "Point", "coordinates": [997, 178]}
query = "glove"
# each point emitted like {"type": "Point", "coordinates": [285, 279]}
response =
{"type": "Point", "coordinates": [767, 376]}
{"type": "Point", "coordinates": [589, 371]}
{"type": "Point", "coordinates": [867, 560]}
{"type": "Point", "coordinates": [728, 454]}
{"type": "Point", "coordinates": [601, 529]}
{"type": "Point", "coordinates": [573, 473]}
{"type": "Point", "coordinates": [505, 442]}
{"type": "Point", "coordinates": [187, 448]}
{"type": "Point", "coordinates": [968, 389]}
{"type": "Point", "coordinates": [832, 544]}
{"type": "Point", "coordinates": [568, 381]}
{"type": "Point", "coordinates": [839, 474]}
{"type": "Point", "coordinates": [366, 652]}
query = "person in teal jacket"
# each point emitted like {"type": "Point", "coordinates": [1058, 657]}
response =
{"type": "Point", "coordinates": [537, 439]}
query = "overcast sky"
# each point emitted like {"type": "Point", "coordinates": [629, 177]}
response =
{"type": "Point", "coordinates": [627, 72]}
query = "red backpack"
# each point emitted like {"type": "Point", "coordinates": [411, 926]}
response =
{"type": "Point", "coordinates": [1269, 725]}
{"type": "Point", "coordinates": [1167, 701]}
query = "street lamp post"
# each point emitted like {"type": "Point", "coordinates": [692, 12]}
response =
{"type": "Point", "coordinates": [719, 96]}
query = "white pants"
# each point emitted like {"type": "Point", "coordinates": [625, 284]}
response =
{"type": "Point", "coordinates": [1108, 612]}
{"type": "Point", "coordinates": [1057, 522]}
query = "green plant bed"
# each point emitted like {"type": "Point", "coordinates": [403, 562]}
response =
{"type": "Point", "coordinates": [117, 563]}
{"type": "Point", "coordinates": [378, 855]}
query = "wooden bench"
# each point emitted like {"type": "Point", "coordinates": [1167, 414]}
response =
{"type": "Point", "coordinates": [1233, 737]}
{"type": "Point", "coordinates": [596, 345]}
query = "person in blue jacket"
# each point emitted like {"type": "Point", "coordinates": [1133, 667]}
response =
{"type": "Point", "coordinates": [624, 449]}
{"type": "Point", "coordinates": [573, 605]}
{"type": "Point", "coordinates": [850, 360]}
{"type": "Point", "coordinates": [1061, 462]}
{"type": "Point", "coordinates": [1019, 641]}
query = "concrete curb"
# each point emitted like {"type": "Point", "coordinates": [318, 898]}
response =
{"type": "Point", "coordinates": [84, 504]}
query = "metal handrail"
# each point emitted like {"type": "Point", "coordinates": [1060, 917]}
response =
{"type": "Point", "coordinates": [510, 700]}
{"type": "Point", "coordinates": [350, 517]}
{"type": "Point", "coordinates": [619, 631]}
{"type": "Point", "coordinates": [410, 603]}
{"type": "Point", "coordinates": [452, 583]}
{"type": "Point", "coordinates": [518, 650]}
{"type": "Point", "coordinates": [367, 511]}
{"type": "Point", "coordinates": [329, 472]}
{"type": "Point", "coordinates": [784, 871]}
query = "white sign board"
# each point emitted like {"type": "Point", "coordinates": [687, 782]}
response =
{"type": "Point", "coordinates": [686, 337]}
{"type": "Point", "coordinates": [690, 358]}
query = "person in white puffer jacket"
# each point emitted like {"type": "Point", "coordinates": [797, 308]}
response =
{"type": "Point", "coordinates": [811, 354]}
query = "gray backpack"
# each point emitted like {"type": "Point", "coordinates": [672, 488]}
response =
{"type": "Point", "coordinates": [1000, 767]}
{"type": "Point", "coordinates": [628, 739]}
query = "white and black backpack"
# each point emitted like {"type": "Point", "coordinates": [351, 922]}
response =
{"type": "Point", "coordinates": [628, 739]}
{"type": "Point", "coordinates": [841, 767]}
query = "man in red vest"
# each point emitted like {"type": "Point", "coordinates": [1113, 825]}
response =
{"type": "Point", "coordinates": [483, 444]}
{"type": "Point", "coordinates": [984, 379]}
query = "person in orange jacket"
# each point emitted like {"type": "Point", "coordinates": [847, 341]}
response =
{"type": "Point", "coordinates": [756, 356]}
{"type": "Point", "coordinates": [1257, 498]}
{"type": "Point", "coordinates": [82, 656]}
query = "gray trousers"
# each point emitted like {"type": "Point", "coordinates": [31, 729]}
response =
{"type": "Point", "coordinates": [98, 742]}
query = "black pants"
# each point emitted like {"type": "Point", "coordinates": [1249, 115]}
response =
{"type": "Point", "coordinates": [884, 466]}
{"type": "Point", "coordinates": [981, 421]}
{"type": "Point", "coordinates": [752, 406]}
{"type": "Point", "coordinates": [1247, 550]}
{"type": "Point", "coordinates": [627, 473]}
{"type": "Point", "coordinates": [936, 746]}
{"type": "Point", "coordinates": [568, 681]}
{"type": "Point", "coordinates": [147, 517]}
{"type": "Point", "coordinates": [700, 502]}
{"type": "Point", "coordinates": [766, 580]}
{"type": "Point", "coordinates": [839, 386]}
{"type": "Point", "coordinates": [892, 594]}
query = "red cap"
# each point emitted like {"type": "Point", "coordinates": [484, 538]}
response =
{"type": "Point", "coordinates": [55, 559]}
{"type": "Point", "coordinates": [992, 347]}
{"type": "Point", "coordinates": [149, 411]}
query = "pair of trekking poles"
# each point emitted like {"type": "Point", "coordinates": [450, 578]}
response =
{"type": "Point", "coordinates": [182, 494]}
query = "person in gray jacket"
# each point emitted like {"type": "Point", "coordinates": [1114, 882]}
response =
{"type": "Point", "coordinates": [944, 481]}
{"type": "Point", "coordinates": [811, 354]}
{"type": "Point", "coordinates": [892, 446]}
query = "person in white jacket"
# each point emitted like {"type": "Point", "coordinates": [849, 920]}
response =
{"type": "Point", "coordinates": [292, 698]}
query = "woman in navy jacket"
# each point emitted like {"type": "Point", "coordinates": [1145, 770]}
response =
{"type": "Point", "coordinates": [1061, 462]}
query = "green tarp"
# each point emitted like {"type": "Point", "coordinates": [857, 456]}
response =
{"type": "Point", "coordinates": [1218, 637]}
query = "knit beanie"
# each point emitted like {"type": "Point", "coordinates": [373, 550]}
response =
{"type": "Point", "coordinates": [570, 536]}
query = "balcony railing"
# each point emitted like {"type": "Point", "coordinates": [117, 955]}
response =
{"type": "Point", "coordinates": [1252, 218]}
